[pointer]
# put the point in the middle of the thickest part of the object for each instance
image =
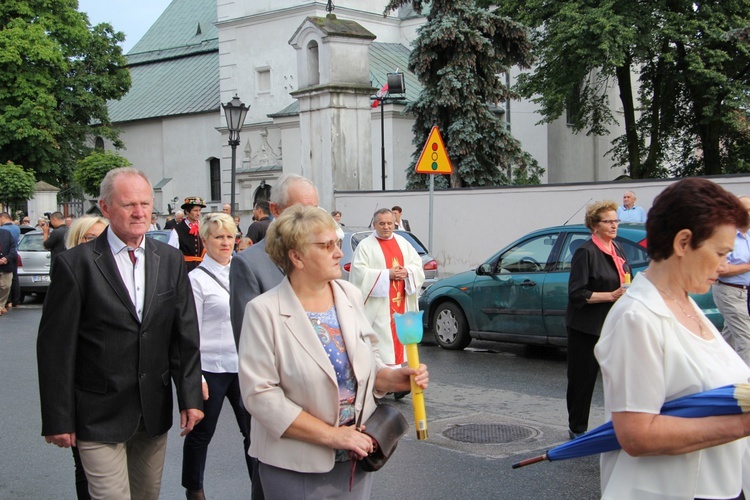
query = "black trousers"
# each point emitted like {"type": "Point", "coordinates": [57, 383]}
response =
{"type": "Point", "coordinates": [15, 290]}
{"type": "Point", "coordinates": [582, 372]}
{"type": "Point", "coordinates": [195, 447]}
{"type": "Point", "coordinates": [82, 484]}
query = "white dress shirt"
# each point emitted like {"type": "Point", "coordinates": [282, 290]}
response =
{"type": "Point", "coordinates": [174, 240]}
{"type": "Point", "coordinates": [134, 276]}
{"type": "Point", "coordinates": [218, 349]}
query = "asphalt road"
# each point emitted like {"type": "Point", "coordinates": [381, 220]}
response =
{"type": "Point", "coordinates": [506, 388]}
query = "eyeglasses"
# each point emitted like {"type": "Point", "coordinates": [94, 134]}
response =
{"type": "Point", "coordinates": [610, 221]}
{"type": "Point", "coordinates": [328, 245]}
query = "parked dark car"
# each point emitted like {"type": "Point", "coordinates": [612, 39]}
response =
{"type": "Point", "coordinates": [353, 235]}
{"type": "Point", "coordinates": [33, 264]}
{"type": "Point", "coordinates": [520, 294]}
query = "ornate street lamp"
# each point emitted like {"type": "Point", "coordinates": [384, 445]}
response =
{"type": "Point", "coordinates": [235, 112]}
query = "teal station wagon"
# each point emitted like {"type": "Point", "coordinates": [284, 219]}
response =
{"type": "Point", "coordinates": [520, 294]}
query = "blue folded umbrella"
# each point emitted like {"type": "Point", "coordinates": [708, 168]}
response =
{"type": "Point", "coordinates": [727, 400]}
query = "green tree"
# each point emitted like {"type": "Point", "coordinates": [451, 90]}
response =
{"type": "Point", "coordinates": [459, 56]}
{"type": "Point", "coordinates": [56, 74]}
{"type": "Point", "coordinates": [90, 171]}
{"type": "Point", "coordinates": [690, 61]}
{"type": "Point", "coordinates": [16, 186]}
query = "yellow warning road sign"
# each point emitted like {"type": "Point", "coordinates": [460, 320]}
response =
{"type": "Point", "coordinates": [434, 158]}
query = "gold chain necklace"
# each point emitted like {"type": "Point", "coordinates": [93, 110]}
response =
{"type": "Point", "coordinates": [698, 321]}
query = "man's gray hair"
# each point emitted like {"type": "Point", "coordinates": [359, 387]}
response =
{"type": "Point", "coordinates": [107, 187]}
{"type": "Point", "coordinates": [180, 212]}
{"type": "Point", "coordinates": [380, 212]}
{"type": "Point", "coordinates": [632, 193]}
{"type": "Point", "coordinates": [280, 191]}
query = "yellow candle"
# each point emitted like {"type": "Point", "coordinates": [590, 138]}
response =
{"type": "Point", "coordinates": [417, 394]}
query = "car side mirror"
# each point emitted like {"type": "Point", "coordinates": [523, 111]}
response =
{"type": "Point", "coordinates": [484, 270]}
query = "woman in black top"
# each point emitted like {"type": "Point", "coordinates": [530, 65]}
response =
{"type": "Point", "coordinates": [597, 273]}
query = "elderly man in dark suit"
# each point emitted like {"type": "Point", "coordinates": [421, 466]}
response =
{"type": "Point", "coordinates": [119, 321]}
{"type": "Point", "coordinates": [253, 272]}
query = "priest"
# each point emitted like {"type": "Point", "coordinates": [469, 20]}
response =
{"type": "Point", "coordinates": [388, 271]}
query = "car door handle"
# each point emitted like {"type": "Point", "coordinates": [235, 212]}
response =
{"type": "Point", "coordinates": [527, 283]}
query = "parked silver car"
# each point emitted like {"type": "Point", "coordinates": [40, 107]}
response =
{"type": "Point", "coordinates": [353, 235]}
{"type": "Point", "coordinates": [33, 264]}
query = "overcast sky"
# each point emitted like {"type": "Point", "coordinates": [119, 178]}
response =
{"type": "Point", "coordinates": [132, 17]}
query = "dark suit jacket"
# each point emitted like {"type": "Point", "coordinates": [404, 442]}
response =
{"type": "Point", "coordinates": [8, 249]}
{"type": "Point", "coordinates": [252, 272]}
{"type": "Point", "coordinates": [100, 369]}
{"type": "Point", "coordinates": [591, 270]}
{"type": "Point", "coordinates": [404, 226]}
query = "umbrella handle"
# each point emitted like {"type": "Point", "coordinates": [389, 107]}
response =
{"type": "Point", "coordinates": [529, 461]}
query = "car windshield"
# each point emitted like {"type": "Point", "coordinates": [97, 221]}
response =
{"type": "Point", "coordinates": [418, 246]}
{"type": "Point", "coordinates": [31, 243]}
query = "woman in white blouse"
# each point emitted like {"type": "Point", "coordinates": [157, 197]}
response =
{"type": "Point", "coordinates": [210, 282]}
{"type": "Point", "coordinates": [656, 345]}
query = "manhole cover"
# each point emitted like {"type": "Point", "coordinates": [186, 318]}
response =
{"type": "Point", "coordinates": [490, 433]}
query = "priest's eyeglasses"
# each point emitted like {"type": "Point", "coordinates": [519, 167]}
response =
{"type": "Point", "coordinates": [328, 245]}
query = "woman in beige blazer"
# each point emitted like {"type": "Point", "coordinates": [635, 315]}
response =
{"type": "Point", "coordinates": [306, 355]}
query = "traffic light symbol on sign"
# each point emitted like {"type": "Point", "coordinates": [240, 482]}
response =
{"type": "Point", "coordinates": [434, 158]}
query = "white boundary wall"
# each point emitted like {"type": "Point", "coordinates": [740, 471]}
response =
{"type": "Point", "coordinates": [472, 224]}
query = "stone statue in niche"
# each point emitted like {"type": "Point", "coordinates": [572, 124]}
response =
{"type": "Point", "coordinates": [265, 157]}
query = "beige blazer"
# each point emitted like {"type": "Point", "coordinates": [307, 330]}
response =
{"type": "Point", "coordinates": [284, 369]}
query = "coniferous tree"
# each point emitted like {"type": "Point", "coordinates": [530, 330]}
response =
{"type": "Point", "coordinates": [460, 56]}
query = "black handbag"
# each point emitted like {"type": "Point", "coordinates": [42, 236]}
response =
{"type": "Point", "coordinates": [385, 426]}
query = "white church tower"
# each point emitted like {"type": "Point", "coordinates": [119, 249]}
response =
{"type": "Point", "coordinates": [334, 104]}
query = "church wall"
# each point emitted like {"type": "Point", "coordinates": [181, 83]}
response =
{"type": "Point", "coordinates": [177, 147]}
{"type": "Point", "coordinates": [470, 225]}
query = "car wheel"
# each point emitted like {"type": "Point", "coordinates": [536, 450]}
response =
{"type": "Point", "coordinates": [450, 327]}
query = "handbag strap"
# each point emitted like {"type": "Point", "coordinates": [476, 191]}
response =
{"type": "Point", "coordinates": [214, 278]}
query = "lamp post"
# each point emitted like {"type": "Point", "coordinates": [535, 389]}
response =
{"type": "Point", "coordinates": [235, 112]}
{"type": "Point", "coordinates": [394, 85]}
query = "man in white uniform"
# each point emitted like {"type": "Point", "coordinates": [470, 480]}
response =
{"type": "Point", "coordinates": [388, 271]}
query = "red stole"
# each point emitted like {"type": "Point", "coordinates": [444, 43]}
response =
{"type": "Point", "coordinates": [397, 291]}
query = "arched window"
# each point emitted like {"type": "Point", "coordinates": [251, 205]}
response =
{"type": "Point", "coordinates": [99, 143]}
{"type": "Point", "coordinates": [263, 193]}
{"type": "Point", "coordinates": [313, 63]}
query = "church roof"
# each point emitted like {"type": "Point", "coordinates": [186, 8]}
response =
{"type": "Point", "coordinates": [174, 68]}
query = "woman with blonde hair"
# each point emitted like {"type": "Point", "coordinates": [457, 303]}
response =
{"type": "Point", "coordinates": [85, 229]}
{"type": "Point", "coordinates": [310, 367]}
{"type": "Point", "coordinates": [210, 283]}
